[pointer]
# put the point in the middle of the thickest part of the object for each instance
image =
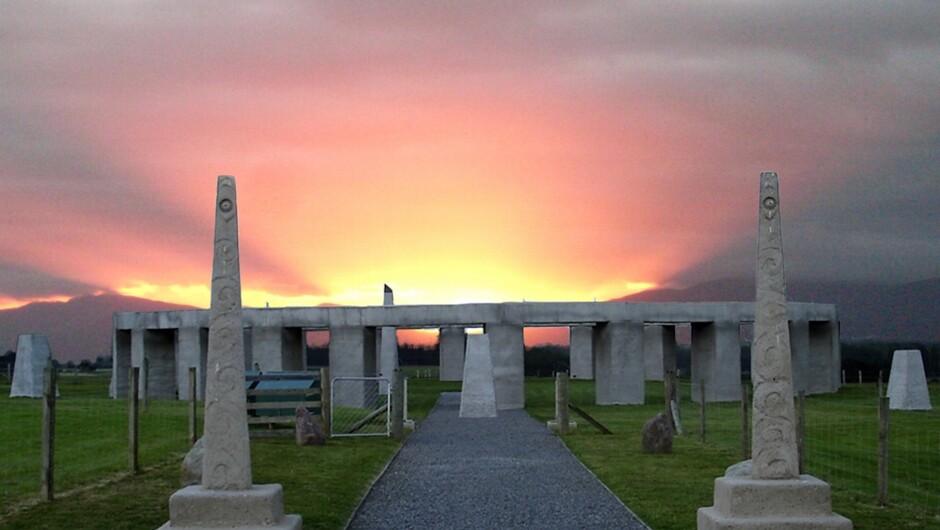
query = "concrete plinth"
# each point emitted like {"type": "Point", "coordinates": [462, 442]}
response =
{"type": "Point", "coordinates": [907, 384]}
{"type": "Point", "coordinates": [753, 504]}
{"type": "Point", "coordinates": [478, 394]}
{"type": "Point", "coordinates": [32, 353]}
{"type": "Point", "coordinates": [261, 507]}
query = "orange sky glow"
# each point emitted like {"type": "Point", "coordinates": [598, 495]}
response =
{"type": "Point", "coordinates": [536, 151]}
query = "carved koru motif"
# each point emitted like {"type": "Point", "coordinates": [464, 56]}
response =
{"type": "Point", "coordinates": [227, 460]}
{"type": "Point", "coordinates": [774, 442]}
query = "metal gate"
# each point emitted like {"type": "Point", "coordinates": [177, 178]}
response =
{"type": "Point", "coordinates": [359, 406]}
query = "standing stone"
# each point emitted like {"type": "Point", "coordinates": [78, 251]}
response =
{"type": "Point", "coordinates": [774, 495]}
{"type": "Point", "coordinates": [32, 353]}
{"type": "Point", "coordinates": [307, 430]}
{"type": "Point", "coordinates": [907, 384]}
{"type": "Point", "coordinates": [387, 346]}
{"type": "Point", "coordinates": [478, 393]}
{"type": "Point", "coordinates": [226, 498]}
{"type": "Point", "coordinates": [657, 435]}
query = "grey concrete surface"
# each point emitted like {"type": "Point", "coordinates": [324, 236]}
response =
{"type": "Point", "coordinates": [503, 472]}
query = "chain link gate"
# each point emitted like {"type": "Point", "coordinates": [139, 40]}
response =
{"type": "Point", "coordinates": [359, 406]}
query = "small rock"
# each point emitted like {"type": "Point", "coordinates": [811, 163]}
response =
{"type": "Point", "coordinates": [191, 468]}
{"type": "Point", "coordinates": [307, 430]}
{"type": "Point", "coordinates": [657, 435]}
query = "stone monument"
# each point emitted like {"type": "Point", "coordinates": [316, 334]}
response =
{"type": "Point", "coordinates": [478, 393]}
{"type": "Point", "coordinates": [907, 384]}
{"type": "Point", "coordinates": [226, 498]}
{"type": "Point", "coordinates": [773, 495]}
{"type": "Point", "coordinates": [32, 353]}
{"type": "Point", "coordinates": [387, 346]}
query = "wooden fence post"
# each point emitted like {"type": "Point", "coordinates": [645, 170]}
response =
{"type": "Point", "coordinates": [144, 382]}
{"type": "Point", "coordinates": [132, 423]}
{"type": "Point", "coordinates": [561, 402]}
{"type": "Point", "coordinates": [47, 475]}
{"type": "Point", "coordinates": [801, 431]}
{"type": "Point", "coordinates": [701, 415]}
{"type": "Point", "coordinates": [745, 422]}
{"type": "Point", "coordinates": [883, 423]}
{"type": "Point", "coordinates": [192, 406]}
{"type": "Point", "coordinates": [325, 400]}
{"type": "Point", "coordinates": [398, 403]}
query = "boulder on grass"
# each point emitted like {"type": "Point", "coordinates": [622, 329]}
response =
{"type": "Point", "coordinates": [191, 469]}
{"type": "Point", "coordinates": [307, 430]}
{"type": "Point", "coordinates": [657, 435]}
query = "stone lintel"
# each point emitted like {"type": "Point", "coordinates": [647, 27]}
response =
{"type": "Point", "coordinates": [262, 506]}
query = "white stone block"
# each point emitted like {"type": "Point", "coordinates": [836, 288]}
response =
{"type": "Point", "coordinates": [907, 384]}
{"type": "Point", "coordinates": [32, 353]}
{"type": "Point", "coordinates": [478, 394]}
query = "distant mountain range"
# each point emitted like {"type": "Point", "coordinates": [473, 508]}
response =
{"type": "Point", "coordinates": [81, 328]}
{"type": "Point", "coordinates": [77, 329]}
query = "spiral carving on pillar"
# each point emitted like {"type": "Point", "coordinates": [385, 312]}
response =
{"type": "Point", "coordinates": [774, 442]}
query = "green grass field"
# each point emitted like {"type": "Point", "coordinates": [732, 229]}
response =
{"type": "Point", "coordinates": [324, 484]}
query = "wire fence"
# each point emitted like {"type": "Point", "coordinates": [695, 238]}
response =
{"type": "Point", "coordinates": [360, 406]}
{"type": "Point", "coordinates": [841, 442]}
{"type": "Point", "coordinates": [91, 438]}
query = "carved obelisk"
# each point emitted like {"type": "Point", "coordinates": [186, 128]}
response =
{"type": "Point", "coordinates": [227, 498]}
{"type": "Point", "coordinates": [227, 461]}
{"type": "Point", "coordinates": [772, 494]}
{"type": "Point", "coordinates": [773, 444]}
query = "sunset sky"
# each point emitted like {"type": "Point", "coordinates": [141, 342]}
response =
{"type": "Point", "coordinates": [462, 151]}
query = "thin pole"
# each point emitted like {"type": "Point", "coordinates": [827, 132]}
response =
{"type": "Point", "coordinates": [133, 425]}
{"type": "Point", "coordinates": [883, 424]}
{"type": "Point", "coordinates": [192, 406]}
{"type": "Point", "coordinates": [398, 401]}
{"type": "Point", "coordinates": [701, 430]}
{"type": "Point", "coordinates": [325, 402]}
{"type": "Point", "coordinates": [801, 431]}
{"type": "Point", "coordinates": [46, 479]}
{"type": "Point", "coordinates": [561, 401]}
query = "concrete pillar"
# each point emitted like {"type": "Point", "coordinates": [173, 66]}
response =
{"type": "Point", "coordinates": [160, 350]}
{"type": "Point", "coordinates": [716, 360]}
{"type": "Point", "coordinates": [670, 349]}
{"type": "Point", "coordinates": [187, 354]}
{"type": "Point", "coordinates": [820, 378]}
{"type": "Point", "coordinates": [653, 343]}
{"type": "Point", "coordinates": [452, 346]}
{"type": "Point", "coordinates": [799, 356]}
{"type": "Point", "coordinates": [581, 348]}
{"type": "Point", "coordinates": [266, 348]}
{"type": "Point", "coordinates": [352, 354]}
{"type": "Point", "coordinates": [478, 392]}
{"type": "Point", "coordinates": [293, 349]}
{"type": "Point", "coordinates": [618, 363]}
{"type": "Point", "coordinates": [508, 353]}
{"type": "Point", "coordinates": [120, 363]}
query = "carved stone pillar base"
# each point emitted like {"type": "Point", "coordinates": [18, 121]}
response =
{"type": "Point", "coordinates": [261, 507]}
{"type": "Point", "coordinates": [744, 503]}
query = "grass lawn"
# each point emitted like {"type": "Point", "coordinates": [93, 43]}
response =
{"type": "Point", "coordinates": [324, 484]}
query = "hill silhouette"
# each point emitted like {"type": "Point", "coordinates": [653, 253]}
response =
{"type": "Point", "coordinates": [77, 329]}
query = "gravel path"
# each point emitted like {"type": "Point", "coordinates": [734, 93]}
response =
{"type": "Point", "coordinates": [504, 472]}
